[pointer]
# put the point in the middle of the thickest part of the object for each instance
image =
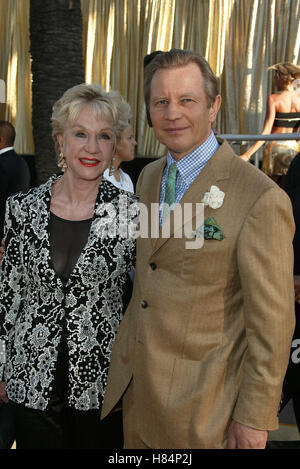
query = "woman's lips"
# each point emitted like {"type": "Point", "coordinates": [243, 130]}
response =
{"type": "Point", "coordinates": [90, 162]}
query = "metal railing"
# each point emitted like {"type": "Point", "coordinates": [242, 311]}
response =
{"type": "Point", "coordinates": [242, 138]}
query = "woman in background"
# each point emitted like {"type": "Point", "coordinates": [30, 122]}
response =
{"type": "Point", "coordinates": [282, 116]}
{"type": "Point", "coordinates": [124, 150]}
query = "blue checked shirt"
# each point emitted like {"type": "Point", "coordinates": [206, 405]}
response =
{"type": "Point", "coordinates": [189, 168]}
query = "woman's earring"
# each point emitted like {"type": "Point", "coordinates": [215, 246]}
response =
{"type": "Point", "coordinates": [61, 163]}
{"type": "Point", "coordinates": [112, 167]}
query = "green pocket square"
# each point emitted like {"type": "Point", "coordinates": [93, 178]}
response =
{"type": "Point", "coordinates": [212, 229]}
{"type": "Point", "coordinates": [209, 230]}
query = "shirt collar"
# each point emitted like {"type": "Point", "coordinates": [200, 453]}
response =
{"type": "Point", "coordinates": [4, 150]}
{"type": "Point", "coordinates": [190, 165]}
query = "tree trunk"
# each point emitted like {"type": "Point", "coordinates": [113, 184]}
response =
{"type": "Point", "coordinates": [57, 64]}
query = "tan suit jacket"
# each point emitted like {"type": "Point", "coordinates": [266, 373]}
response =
{"type": "Point", "coordinates": [207, 334]}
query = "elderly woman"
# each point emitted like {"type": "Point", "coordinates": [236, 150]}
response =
{"type": "Point", "coordinates": [124, 150]}
{"type": "Point", "coordinates": [61, 286]}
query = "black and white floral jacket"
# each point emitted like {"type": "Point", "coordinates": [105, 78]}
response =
{"type": "Point", "coordinates": [34, 302]}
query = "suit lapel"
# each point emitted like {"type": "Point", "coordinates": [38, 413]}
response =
{"type": "Point", "coordinates": [217, 169]}
{"type": "Point", "coordinates": [150, 198]}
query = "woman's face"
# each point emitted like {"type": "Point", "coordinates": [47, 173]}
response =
{"type": "Point", "coordinates": [126, 145]}
{"type": "Point", "coordinates": [87, 145]}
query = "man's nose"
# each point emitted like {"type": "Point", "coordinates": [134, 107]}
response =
{"type": "Point", "coordinates": [173, 111]}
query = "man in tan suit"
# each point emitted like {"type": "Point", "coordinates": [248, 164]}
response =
{"type": "Point", "coordinates": [203, 347]}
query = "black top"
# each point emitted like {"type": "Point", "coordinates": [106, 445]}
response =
{"type": "Point", "coordinates": [67, 240]}
{"type": "Point", "coordinates": [287, 119]}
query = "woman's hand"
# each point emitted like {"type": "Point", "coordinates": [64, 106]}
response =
{"type": "Point", "coordinates": [3, 395]}
{"type": "Point", "coordinates": [2, 249]}
{"type": "Point", "coordinates": [244, 157]}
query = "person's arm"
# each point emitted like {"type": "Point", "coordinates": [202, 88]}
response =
{"type": "Point", "coordinates": [131, 223]}
{"type": "Point", "coordinates": [139, 181]}
{"type": "Point", "coordinates": [265, 262]}
{"type": "Point", "coordinates": [297, 287]}
{"type": "Point", "coordinates": [291, 186]}
{"type": "Point", "coordinates": [3, 395]}
{"type": "Point", "coordinates": [11, 280]}
{"type": "Point", "coordinates": [268, 125]}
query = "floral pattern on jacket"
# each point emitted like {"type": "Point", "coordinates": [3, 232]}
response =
{"type": "Point", "coordinates": [35, 305]}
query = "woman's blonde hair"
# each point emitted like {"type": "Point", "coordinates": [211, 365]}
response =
{"type": "Point", "coordinates": [124, 111]}
{"type": "Point", "coordinates": [107, 105]}
{"type": "Point", "coordinates": [286, 71]}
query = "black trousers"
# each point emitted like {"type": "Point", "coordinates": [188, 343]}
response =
{"type": "Point", "coordinates": [7, 429]}
{"type": "Point", "coordinates": [61, 427]}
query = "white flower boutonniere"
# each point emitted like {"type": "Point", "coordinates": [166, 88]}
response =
{"type": "Point", "coordinates": [214, 198]}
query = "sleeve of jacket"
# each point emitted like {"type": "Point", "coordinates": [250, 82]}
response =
{"type": "Point", "coordinates": [139, 182]}
{"type": "Point", "coordinates": [132, 222]}
{"type": "Point", "coordinates": [265, 263]}
{"type": "Point", "coordinates": [11, 280]}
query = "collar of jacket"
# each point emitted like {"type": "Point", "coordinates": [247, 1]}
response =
{"type": "Point", "coordinates": [106, 191]}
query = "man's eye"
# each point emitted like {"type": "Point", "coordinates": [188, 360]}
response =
{"type": "Point", "coordinates": [80, 134]}
{"type": "Point", "coordinates": [161, 102]}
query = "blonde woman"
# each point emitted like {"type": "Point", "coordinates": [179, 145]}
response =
{"type": "Point", "coordinates": [61, 284]}
{"type": "Point", "coordinates": [282, 116]}
{"type": "Point", "coordinates": [124, 149]}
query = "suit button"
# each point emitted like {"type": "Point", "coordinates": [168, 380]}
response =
{"type": "Point", "coordinates": [144, 304]}
{"type": "Point", "coordinates": [153, 265]}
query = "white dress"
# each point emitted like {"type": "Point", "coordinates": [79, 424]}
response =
{"type": "Point", "coordinates": [125, 182]}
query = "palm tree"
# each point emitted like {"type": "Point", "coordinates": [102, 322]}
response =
{"type": "Point", "coordinates": [57, 64]}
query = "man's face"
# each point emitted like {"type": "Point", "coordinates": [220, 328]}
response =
{"type": "Point", "coordinates": [178, 109]}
